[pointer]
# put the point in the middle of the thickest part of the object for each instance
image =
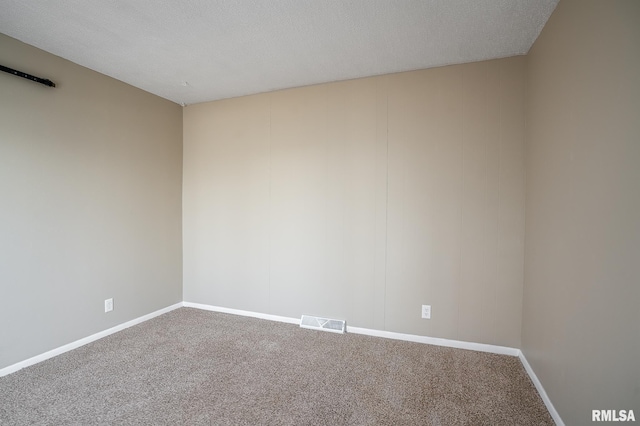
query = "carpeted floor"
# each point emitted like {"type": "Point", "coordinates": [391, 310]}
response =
{"type": "Point", "coordinates": [196, 367]}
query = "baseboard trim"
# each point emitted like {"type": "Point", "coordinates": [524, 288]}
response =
{"type": "Point", "coordinates": [81, 342]}
{"type": "Point", "coordinates": [241, 313]}
{"type": "Point", "coordinates": [481, 347]}
{"type": "Point", "coordinates": [541, 391]}
{"type": "Point", "coordinates": [459, 344]}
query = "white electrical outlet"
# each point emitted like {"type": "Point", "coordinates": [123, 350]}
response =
{"type": "Point", "coordinates": [426, 311]}
{"type": "Point", "coordinates": [108, 305]}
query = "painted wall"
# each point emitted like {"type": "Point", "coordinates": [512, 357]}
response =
{"type": "Point", "coordinates": [363, 200]}
{"type": "Point", "coordinates": [90, 203]}
{"type": "Point", "coordinates": [581, 319]}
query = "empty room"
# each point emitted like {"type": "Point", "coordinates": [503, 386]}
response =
{"type": "Point", "coordinates": [358, 212]}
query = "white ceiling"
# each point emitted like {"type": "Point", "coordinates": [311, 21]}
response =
{"type": "Point", "coordinates": [193, 51]}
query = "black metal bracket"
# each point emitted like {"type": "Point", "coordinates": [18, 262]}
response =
{"type": "Point", "coordinates": [28, 76]}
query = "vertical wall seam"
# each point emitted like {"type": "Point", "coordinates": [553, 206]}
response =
{"type": "Point", "coordinates": [523, 188]}
{"type": "Point", "coordinates": [494, 285]}
{"type": "Point", "coordinates": [525, 139]}
{"type": "Point", "coordinates": [460, 284]}
{"type": "Point", "coordinates": [499, 183]}
{"type": "Point", "coordinates": [325, 269]}
{"type": "Point", "coordinates": [269, 221]}
{"type": "Point", "coordinates": [386, 207]}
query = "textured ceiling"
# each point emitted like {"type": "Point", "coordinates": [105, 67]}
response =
{"type": "Point", "coordinates": [199, 50]}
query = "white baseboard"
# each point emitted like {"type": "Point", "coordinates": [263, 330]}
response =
{"type": "Point", "coordinates": [481, 347]}
{"type": "Point", "coordinates": [541, 391]}
{"type": "Point", "coordinates": [242, 313]}
{"type": "Point", "coordinates": [73, 345]}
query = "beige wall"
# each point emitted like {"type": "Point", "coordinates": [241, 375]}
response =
{"type": "Point", "coordinates": [581, 320]}
{"type": "Point", "coordinates": [90, 203]}
{"type": "Point", "coordinates": [363, 200]}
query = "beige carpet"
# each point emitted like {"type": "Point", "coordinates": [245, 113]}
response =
{"type": "Point", "coordinates": [196, 367]}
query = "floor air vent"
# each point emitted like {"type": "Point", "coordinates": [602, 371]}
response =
{"type": "Point", "coordinates": [324, 324]}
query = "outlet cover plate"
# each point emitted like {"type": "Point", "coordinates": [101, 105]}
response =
{"type": "Point", "coordinates": [426, 311]}
{"type": "Point", "coordinates": [108, 305]}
